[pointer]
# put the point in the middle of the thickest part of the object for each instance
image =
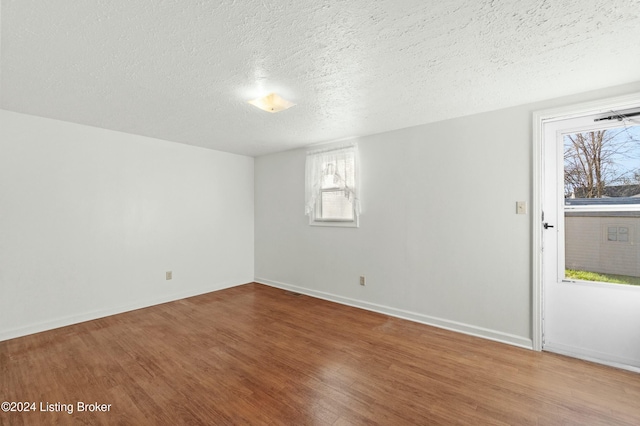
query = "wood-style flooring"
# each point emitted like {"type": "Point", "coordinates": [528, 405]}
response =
{"type": "Point", "coordinates": [256, 355]}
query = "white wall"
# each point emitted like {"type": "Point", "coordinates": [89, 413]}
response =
{"type": "Point", "coordinates": [439, 241]}
{"type": "Point", "coordinates": [91, 219]}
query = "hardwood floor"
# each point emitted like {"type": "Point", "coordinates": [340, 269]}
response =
{"type": "Point", "coordinates": [258, 355]}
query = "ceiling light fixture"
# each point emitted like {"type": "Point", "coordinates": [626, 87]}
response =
{"type": "Point", "coordinates": [272, 103]}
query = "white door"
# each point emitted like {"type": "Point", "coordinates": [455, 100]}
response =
{"type": "Point", "coordinates": [591, 235]}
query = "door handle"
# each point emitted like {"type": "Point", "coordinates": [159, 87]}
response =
{"type": "Point", "coordinates": [547, 226]}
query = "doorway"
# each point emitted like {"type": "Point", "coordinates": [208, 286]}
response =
{"type": "Point", "coordinates": [588, 235]}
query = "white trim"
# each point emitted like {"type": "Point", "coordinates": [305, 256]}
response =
{"type": "Point", "coordinates": [337, 144]}
{"type": "Point", "coordinates": [101, 313]}
{"type": "Point", "coordinates": [459, 327]}
{"type": "Point", "coordinates": [588, 108]}
{"type": "Point", "coordinates": [539, 118]}
{"type": "Point", "coordinates": [601, 284]}
{"type": "Point", "coordinates": [323, 147]}
{"type": "Point", "coordinates": [603, 208]}
{"type": "Point", "coordinates": [593, 356]}
{"type": "Point", "coordinates": [536, 309]}
{"type": "Point", "coordinates": [355, 223]}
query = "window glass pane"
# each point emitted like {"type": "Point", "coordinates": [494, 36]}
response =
{"type": "Point", "coordinates": [623, 235]}
{"type": "Point", "coordinates": [602, 205]}
{"type": "Point", "coordinates": [339, 172]}
{"type": "Point", "coordinates": [336, 206]}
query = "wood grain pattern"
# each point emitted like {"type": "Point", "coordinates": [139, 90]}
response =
{"type": "Point", "coordinates": [258, 355]}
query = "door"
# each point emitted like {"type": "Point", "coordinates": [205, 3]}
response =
{"type": "Point", "coordinates": [591, 238]}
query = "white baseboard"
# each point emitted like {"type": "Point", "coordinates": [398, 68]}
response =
{"type": "Point", "coordinates": [459, 327]}
{"type": "Point", "coordinates": [88, 316]}
{"type": "Point", "coordinates": [593, 356]}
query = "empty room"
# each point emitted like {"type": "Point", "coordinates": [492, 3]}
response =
{"type": "Point", "coordinates": [393, 212]}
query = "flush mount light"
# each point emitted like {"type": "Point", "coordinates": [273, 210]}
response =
{"type": "Point", "coordinates": [272, 103]}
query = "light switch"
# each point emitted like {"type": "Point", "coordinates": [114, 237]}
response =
{"type": "Point", "coordinates": [521, 207]}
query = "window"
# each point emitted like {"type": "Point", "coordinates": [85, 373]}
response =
{"type": "Point", "coordinates": [332, 187]}
{"type": "Point", "coordinates": [618, 233]}
{"type": "Point", "coordinates": [601, 206]}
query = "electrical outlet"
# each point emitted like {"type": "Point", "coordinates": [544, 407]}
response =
{"type": "Point", "coordinates": [169, 275]}
{"type": "Point", "coordinates": [362, 281]}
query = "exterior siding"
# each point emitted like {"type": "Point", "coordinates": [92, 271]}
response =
{"type": "Point", "coordinates": [587, 246]}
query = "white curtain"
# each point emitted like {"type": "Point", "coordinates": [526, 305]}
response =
{"type": "Point", "coordinates": [332, 167]}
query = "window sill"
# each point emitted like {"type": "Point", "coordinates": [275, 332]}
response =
{"type": "Point", "coordinates": [335, 223]}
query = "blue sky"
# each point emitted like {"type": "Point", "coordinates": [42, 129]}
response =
{"type": "Point", "coordinates": [631, 161]}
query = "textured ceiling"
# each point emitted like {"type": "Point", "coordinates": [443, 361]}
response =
{"type": "Point", "coordinates": [182, 70]}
